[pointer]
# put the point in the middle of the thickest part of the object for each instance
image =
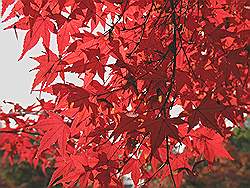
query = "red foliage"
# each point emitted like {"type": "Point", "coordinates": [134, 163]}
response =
{"type": "Point", "coordinates": [190, 53]}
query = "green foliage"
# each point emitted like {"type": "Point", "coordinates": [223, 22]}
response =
{"type": "Point", "coordinates": [241, 137]}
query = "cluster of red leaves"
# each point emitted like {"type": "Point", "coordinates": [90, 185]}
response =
{"type": "Point", "coordinates": [190, 53]}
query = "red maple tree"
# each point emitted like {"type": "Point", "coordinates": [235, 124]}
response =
{"type": "Point", "coordinates": [191, 53]}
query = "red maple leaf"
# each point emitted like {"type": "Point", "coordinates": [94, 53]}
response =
{"type": "Point", "coordinates": [56, 131]}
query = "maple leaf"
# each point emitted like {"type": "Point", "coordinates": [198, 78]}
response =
{"type": "Point", "coordinates": [55, 131]}
{"type": "Point", "coordinates": [211, 146]}
{"type": "Point", "coordinates": [160, 129]}
{"type": "Point", "coordinates": [126, 124]}
{"type": "Point", "coordinates": [49, 68]}
{"type": "Point", "coordinates": [206, 112]}
{"type": "Point", "coordinates": [71, 168]}
{"type": "Point", "coordinates": [40, 28]}
{"type": "Point", "coordinates": [5, 4]}
{"type": "Point", "coordinates": [133, 166]}
{"type": "Point", "coordinates": [96, 62]}
{"type": "Point", "coordinates": [69, 28]}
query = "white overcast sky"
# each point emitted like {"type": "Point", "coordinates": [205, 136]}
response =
{"type": "Point", "coordinates": [15, 78]}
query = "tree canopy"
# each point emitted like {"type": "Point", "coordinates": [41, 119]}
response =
{"type": "Point", "coordinates": [138, 60]}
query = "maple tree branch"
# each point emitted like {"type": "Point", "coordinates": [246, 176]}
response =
{"type": "Point", "coordinates": [144, 137]}
{"type": "Point", "coordinates": [132, 155]}
{"type": "Point", "coordinates": [168, 162]}
{"type": "Point", "coordinates": [173, 48]}
{"type": "Point", "coordinates": [153, 175]}
{"type": "Point", "coordinates": [112, 27]}
{"type": "Point", "coordinates": [196, 164]}
{"type": "Point", "coordinates": [144, 95]}
{"type": "Point", "coordinates": [121, 15]}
